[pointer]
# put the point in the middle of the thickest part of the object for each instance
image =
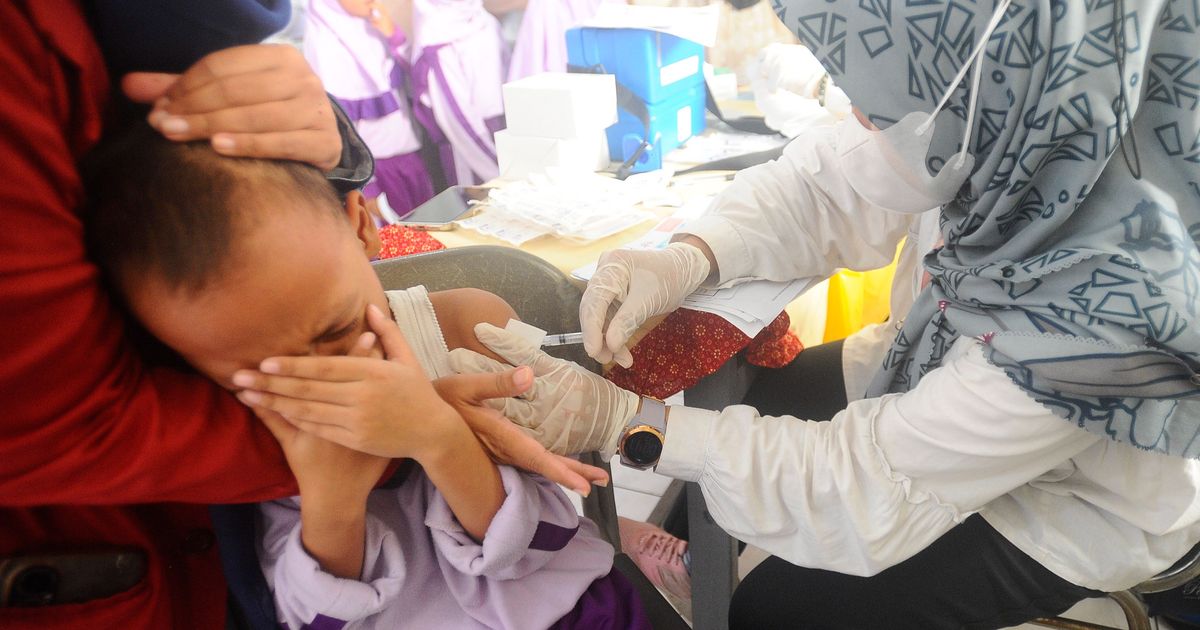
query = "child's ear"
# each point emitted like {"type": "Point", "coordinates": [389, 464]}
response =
{"type": "Point", "coordinates": [363, 221]}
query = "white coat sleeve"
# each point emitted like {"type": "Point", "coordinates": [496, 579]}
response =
{"type": "Point", "coordinates": [797, 217]}
{"type": "Point", "coordinates": [882, 480]}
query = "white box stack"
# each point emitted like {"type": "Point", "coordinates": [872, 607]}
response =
{"type": "Point", "coordinates": [556, 119]}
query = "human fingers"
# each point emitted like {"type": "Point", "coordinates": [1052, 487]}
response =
{"type": "Point", "coordinates": [512, 347]}
{"type": "Point", "coordinates": [333, 369]}
{"type": "Point", "coordinates": [296, 410]}
{"type": "Point", "coordinates": [300, 146]}
{"type": "Point", "coordinates": [333, 433]}
{"type": "Point", "coordinates": [623, 357]}
{"type": "Point", "coordinates": [593, 474]}
{"type": "Point", "coordinates": [628, 318]}
{"type": "Point", "coordinates": [395, 347]}
{"type": "Point", "coordinates": [335, 393]}
{"type": "Point", "coordinates": [147, 87]}
{"type": "Point", "coordinates": [478, 387]}
{"type": "Point", "coordinates": [275, 423]}
{"type": "Point", "coordinates": [364, 346]}
{"type": "Point", "coordinates": [271, 117]}
{"type": "Point", "coordinates": [253, 101]}
{"type": "Point", "coordinates": [509, 444]}
{"type": "Point", "coordinates": [609, 285]}
{"type": "Point", "coordinates": [240, 90]}
{"type": "Point", "coordinates": [466, 362]}
{"type": "Point", "coordinates": [237, 60]}
{"type": "Point", "coordinates": [566, 471]}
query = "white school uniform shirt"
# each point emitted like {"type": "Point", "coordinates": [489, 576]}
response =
{"type": "Point", "coordinates": [890, 475]}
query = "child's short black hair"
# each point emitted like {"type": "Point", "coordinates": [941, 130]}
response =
{"type": "Point", "coordinates": [170, 210]}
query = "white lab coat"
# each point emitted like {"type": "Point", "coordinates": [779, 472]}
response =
{"type": "Point", "coordinates": [890, 475]}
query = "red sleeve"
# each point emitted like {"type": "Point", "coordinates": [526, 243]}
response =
{"type": "Point", "coordinates": [82, 419]}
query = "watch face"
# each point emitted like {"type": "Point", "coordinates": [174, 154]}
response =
{"type": "Point", "coordinates": [642, 448]}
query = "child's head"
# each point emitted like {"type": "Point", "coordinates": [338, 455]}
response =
{"type": "Point", "coordinates": [230, 260]}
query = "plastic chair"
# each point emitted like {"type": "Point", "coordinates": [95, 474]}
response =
{"type": "Point", "coordinates": [1136, 614]}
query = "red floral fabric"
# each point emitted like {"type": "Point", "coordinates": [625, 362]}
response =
{"type": "Point", "coordinates": [400, 241]}
{"type": "Point", "coordinates": [689, 345]}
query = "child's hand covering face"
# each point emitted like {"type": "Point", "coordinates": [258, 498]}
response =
{"type": "Point", "coordinates": [325, 470]}
{"type": "Point", "coordinates": [389, 408]}
{"type": "Point", "coordinates": [386, 408]}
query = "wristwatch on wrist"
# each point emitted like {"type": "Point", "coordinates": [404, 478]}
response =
{"type": "Point", "coordinates": [642, 441]}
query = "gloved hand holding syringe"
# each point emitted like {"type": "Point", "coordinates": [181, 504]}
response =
{"type": "Point", "coordinates": [540, 338]}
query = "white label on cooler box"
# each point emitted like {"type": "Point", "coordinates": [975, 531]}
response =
{"type": "Point", "coordinates": [679, 70]}
{"type": "Point", "coordinates": [683, 123]}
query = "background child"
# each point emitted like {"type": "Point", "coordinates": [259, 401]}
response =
{"type": "Point", "coordinates": [231, 261]}
{"type": "Point", "coordinates": [351, 45]}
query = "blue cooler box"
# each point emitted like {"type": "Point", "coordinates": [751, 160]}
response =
{"type": "Point", "coordinates": [665, 73]}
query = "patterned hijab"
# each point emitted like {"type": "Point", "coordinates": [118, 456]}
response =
{"type": "Point", "coordinates": [1072, 248]}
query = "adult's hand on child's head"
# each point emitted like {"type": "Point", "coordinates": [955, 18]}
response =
{"type": "Point", "coordinates": [251, 101]}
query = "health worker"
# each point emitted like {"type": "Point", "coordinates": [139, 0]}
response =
{"type": "Point", "coordinates": [1028, 436]}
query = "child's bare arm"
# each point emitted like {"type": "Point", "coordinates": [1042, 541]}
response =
{"type": "Point", "coordinates": [334, 482]}
{"type": "Point", "coordinates": [468, 480]}
{"type": "Point", "coordinates": [333, 525]}
{"type": "Point", "coordinates": [458, 310]}
{"type": "Point", "coordinates": [462, 471]}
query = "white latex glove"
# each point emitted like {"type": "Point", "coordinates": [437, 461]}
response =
{"type": "Point", "coordinates": [786, 83]}
{"type": "Point", "coordinates": [569, 410]}
{"type": "Point", "coordinates": [790, 67]}
{"type": "Point", "coordinates": [645, 283]}
{"type": "Point", "coordinates": [791, 114]}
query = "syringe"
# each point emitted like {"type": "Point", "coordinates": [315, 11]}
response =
{"type": "Point", "coordinates": [562, 339]}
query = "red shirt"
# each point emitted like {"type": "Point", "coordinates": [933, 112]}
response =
{"type": "Point", "coordinates": [97, 449]}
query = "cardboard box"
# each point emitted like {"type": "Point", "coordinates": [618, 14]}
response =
{"type": "Point", "coordinates": [560, 104]}
{"type": "Point", "coordinates": [521, 155]}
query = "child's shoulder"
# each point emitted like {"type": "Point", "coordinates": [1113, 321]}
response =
{"type": "Point", "coordinates": [414, 314]}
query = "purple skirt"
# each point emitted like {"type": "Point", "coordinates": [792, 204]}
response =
{"type": "Point", "coordinates": [610, 603]}
{"type": "Point", "coordinates": [405, 181]}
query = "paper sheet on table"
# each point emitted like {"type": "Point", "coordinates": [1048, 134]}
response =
{"type": "Point", "coordinates": [498, 225]}
{"type": "Point", "coordinates": [660, 235]}
{"type": "Point", "coordinates": [698, 24]}
{"type": "Point", "coordinates": [716, 145]}
{"type": "Point", "coordinates": [750, 306]}
{"type": "Point", "coordinates": [575, 206]}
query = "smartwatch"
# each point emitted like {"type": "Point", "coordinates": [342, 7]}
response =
{"type": "Point", "coordinates": [641, 443]}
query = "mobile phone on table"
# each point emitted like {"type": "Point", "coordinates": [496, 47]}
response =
{"type": "Point", "coordinates": [450, 205]}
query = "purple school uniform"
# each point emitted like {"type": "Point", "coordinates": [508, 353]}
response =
{"type": "Point", "coordinates": [539, 566]}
